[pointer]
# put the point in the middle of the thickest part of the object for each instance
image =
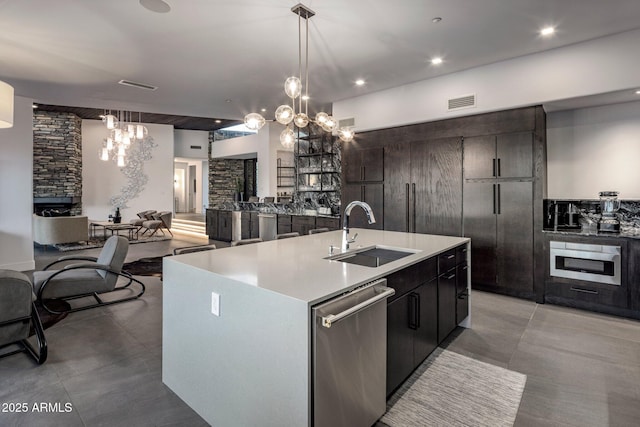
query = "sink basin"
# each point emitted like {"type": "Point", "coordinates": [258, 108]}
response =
{"type": "Point", "coordinates": [374, 256]}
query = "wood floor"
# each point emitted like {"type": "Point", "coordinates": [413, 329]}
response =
{"type": "Point", "coordinates": [583, 368]}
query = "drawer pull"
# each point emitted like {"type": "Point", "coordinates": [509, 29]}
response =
{"type": "Point", "coordinates": [450, 277]}
{"type": "Point", "coordinates": [586, 291]}
{"type": "Point", "coordinates": [451, 256]}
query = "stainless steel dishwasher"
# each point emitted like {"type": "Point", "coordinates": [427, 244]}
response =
{"type": "Point", "coordinates": [350, 357]}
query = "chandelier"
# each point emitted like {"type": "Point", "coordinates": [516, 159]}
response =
{"type": "Point", "coordinates": [123, 133]}
{"type": "Point", "coordinates": [297, 88]}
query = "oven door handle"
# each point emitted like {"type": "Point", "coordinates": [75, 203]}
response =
{"type": "Point", "coordinates": [597, 256]}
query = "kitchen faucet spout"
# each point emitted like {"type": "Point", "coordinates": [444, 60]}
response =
{"type": "Point", "coordinates": [345, 222]}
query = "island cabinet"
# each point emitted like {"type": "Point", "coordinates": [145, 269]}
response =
{"type": "Point", "coordinates": [249, 225]}
{"type": "Point", "coordinates": [412, 319]}
{"type": "Point", "coordinates": [453, 306]}
{"type": "Point", "coordinates": [219, 225]}
{"type": "Point", "coordinates": [423, 186]}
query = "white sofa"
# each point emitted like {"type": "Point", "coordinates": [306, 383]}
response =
{"type": "Point", "coordinates": [60, 229]}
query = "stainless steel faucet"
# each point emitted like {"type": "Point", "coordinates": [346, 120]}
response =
{"type": "Point", "coordinates": [345, 222]}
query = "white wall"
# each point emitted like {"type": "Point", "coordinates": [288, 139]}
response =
{"type": "Point", "coordinates": [102, 180]}
{"type": "Point", "coordinates": [594, 149]}
{"type": "Point", "coordinates": [598, 66]}
{"type": "Point", "coordinates": [265, 145]}
{"type": "Point", "coordinates": [16, 189]}
{"type": "Point", "coordinates": [184, 140]}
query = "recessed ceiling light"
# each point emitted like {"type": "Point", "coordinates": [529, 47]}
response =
{"type": "Point", "coordinates": [360, 82]}
{"type": "Point", "coordinates": [436, 20]}
{"type": "Point", "coordinates": [305, 97]}
{"type": "Point", "coordinates": [157, 6]}
{"type": "Point", "coordinates": [218, 121]}
{"type": "Point", "coordinates": [34, 106]}
{"type": "Point", "coordinates": [638, 92]}
{"type": "Point", "coordinates": [436, 61]}
{"type": "Point", "coordinates": [263, 110]}
{"type": "Point", "coordinates": [547, 31]}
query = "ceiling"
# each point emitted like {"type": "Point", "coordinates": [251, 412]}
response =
{"type": "Point", "coordinates": [222, 59]}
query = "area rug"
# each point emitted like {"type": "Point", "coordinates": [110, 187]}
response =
{"type": "Point", "coordinates": [65, 247]}
{"type": "Point", "coordinates": [450, 389]}
{"type": "Point", "coordinates": [151, 266]}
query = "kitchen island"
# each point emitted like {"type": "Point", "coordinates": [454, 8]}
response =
{"type": "Point", "coordinates": [250, 364]}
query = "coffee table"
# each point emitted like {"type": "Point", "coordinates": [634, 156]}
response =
{"type": "Point", "coordinates": [132, 230]}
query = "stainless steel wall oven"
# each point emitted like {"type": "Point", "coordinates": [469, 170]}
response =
{"type": "Point", "coordinates": [579, 261]}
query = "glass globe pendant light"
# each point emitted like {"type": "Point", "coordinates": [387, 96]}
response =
{"type": "Point", "coordinates": [296, 88]}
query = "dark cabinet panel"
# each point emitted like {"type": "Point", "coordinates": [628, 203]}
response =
{"type": "Point", "coordinates": [514, 249]}
{"type": "Point", "coordinates": [423, 187]}
{"type": "Point", "coordinates": [515, 155]}
{"type": "Point", "coordinates": [330, 223]}
{"type": "Point", "coordinates": [426, 336]}
{"type": "Point", "coordinates": [255, 225]}
{"type": "Point", "coordinates": [436, 171]}
{"type": "Point", "coordinates": [481, 226]}
{"type": "Point", "coordinates": [245, 225]}
{"type": "Point", "coordinates": [397, 187]}
{"type": "Point", "coordinates": [364, 164]}
{"type": "Point", "coordinates": [302, 224]}
{"type": "Point", "coordinates": [224, 226]}
{"type": "Point", "coordinates": [373, 195]}
{"type": "Point", "coordinates": [479, 157]}
{"type": "Point", "coordinates": [399, 343]}
{"type": "Point", "coordinates": [446, 304]}
{"type": "Point", "coordinates": [212, 223]}
{"type": "Point", "coordinates": [284, 224]}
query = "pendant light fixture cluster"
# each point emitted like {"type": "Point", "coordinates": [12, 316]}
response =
{"type": "Point", "coordinates": [123, 132]}
{"type": "Point", "coordinates": [297, 88]}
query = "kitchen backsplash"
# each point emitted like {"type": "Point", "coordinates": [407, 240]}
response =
{"type": "Point", "coordinates": [590, 213]}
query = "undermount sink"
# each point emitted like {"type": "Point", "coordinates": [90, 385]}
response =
{"type": "Point", "coordinates": [373, 256]}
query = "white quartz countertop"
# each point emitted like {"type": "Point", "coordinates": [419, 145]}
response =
{"type": "Point", "coordinates": [297, 267]}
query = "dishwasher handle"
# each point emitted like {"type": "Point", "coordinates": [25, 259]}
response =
{"type": "Point", "coordinates": [386, 292]}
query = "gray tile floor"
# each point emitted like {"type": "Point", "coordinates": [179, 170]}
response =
{"type": "Point", "coordinates": [583, 368]}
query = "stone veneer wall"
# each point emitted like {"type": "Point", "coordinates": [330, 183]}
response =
{"type": "Point", "coordinates": [57, 156]}
{"type": "Point", "coordinates": [223, 175]}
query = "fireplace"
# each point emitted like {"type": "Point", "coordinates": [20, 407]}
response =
{"type": "Point", "coordinates": [55, 206]}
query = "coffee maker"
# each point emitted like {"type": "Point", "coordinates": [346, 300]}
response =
{"type": "Point", "coordinates": [609, 205]}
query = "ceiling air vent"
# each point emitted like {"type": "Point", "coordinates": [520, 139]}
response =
{"type": "Point", "coordinates": [138, 85]}
{"type": "Point", "coordinates": [466, 101]}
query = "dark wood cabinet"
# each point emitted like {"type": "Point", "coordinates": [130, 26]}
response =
{"type": "Point", "coordinates": [373, 195]}
{"type": "Point", "coordinates": [499, 156]}
{"type": "Point", "coordinates": [284, 224]}
{"type": "Point", "coordinates": [412, 319]}
{"type": "Point", "coordinates": [447, 293]}
{"type": "Point", "coordinates": [362, 165]}
{"type": "Point", "coordinates": [249, 225]}
{"type": "Point", "coordinates": [499, 220]}
{"type": "Point", "coordinates": [219, 225]}
{"type": "Point", "coordinates": [326, 222]}
{"type": "Point", "coordinates": [426, 191]}
{"type": "Point", "coordinates": [302, 224]}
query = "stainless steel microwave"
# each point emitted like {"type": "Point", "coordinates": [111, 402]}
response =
{"type": "Point", "coordinates": [579, 261]}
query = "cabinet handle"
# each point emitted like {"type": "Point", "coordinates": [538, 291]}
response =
{"type": "Point", "coordinates": [453, 275]}
{"type": "Point", "coordinates": [499, 174]}
{"type": "Point", "coordinates": [407, 200]}
{"type": "Point", "coordinates": [494, 167]}
{"type": "Point", "coordinates": [494, 199]}
{"type": "Point", "coordinates": [417, 311]}
{"type": "Point", "coordinates": [499, 204]}
{"type": "Point", "coordinates": [362, 193]}
{"type": "Point", "coordinates": [585, 291]}
{"type": "Point", "coordinates": [451, 256]}
{"type": "Point", "coordinates": [361, 173]}
{"type": "Point", "coordinates": [413, 191]}
{"type": "Point", "coordinates": [413, 322]}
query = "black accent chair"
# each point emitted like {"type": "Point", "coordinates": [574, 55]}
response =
{"type": "Point", "coordinates": [89, 278]}
{"type": "Point", "coordinates": [18, 315]}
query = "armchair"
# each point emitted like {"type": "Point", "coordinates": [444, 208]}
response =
{"type": "Point", "coordinates": [89, 278]}
{"type": "Point", "coordinates": [17, 314]}
{"type": "Point", "coordinates": [160, 221]}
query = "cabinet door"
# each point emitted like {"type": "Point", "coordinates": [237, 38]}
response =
{"type": "Point", "coordinates": [245, 225]}
{"type": "Point", "coordinates": [514, 236]}
{"type": "Point", "coordinates": [254, 225]}
{"type": "Point", "coordinates": [212, 224]}
{"type": "Point", "coordinates": [436, 175]}
{"type": "Point", "coordinates": [397, 187]}
{"type": "Point", "coordinates": [515, 155]}
{"type": "Point", "coordinates": [480, 225]}
{"type": "Point", "coordinates": [399, 343]}
{"type": "Point", "coordinates": [373, 195]}
{"type": "Point", "coordinates": [480, 157]}
{"type": "Point", "coordinates": [302, 224]}
{"type": "Point", "coordinates": [224, 226]}
{"type": "Point", "coordinates": [284, 224]}
{"type": "Point", "coordinates": [446, 304]}
{"type": "Point", "coordinates": [330, 223]}
{"type": "Point", "coordinates": [364, 165]}
{"type": "Point", "coordinates": [426, 335]}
